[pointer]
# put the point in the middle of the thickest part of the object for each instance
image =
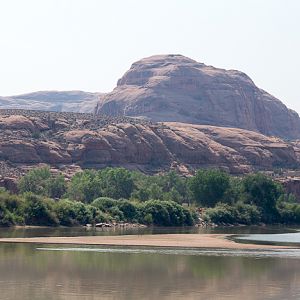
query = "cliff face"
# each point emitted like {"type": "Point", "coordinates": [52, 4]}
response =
{"type": "Point", "coordinates": [176, 88]}
{"type": "Point", "coordinates": [69, 142]}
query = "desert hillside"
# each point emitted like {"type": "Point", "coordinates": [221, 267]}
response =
{"type": "Point", "coordinates": [178, 89]}
{"type": "Point", "coordinates": [71, 141]}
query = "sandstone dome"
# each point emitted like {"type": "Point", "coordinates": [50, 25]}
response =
{"type": "Point", "coordinates": [174, 88]}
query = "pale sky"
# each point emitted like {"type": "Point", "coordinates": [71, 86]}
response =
{"type": "Point", "coordinates": [89, 44]}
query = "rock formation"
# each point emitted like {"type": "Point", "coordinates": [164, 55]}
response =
{"type": "Point", "coordinates": [176, 88]}
{"type": "Point", "coordinates": [70, 101]}
{"type": "Point", "coordinates": [69, 142]}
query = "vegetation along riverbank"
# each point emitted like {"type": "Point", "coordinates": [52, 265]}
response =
{"type": "Point", "coordinates": [117, 196]}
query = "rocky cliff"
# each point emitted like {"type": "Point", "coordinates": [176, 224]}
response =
{"type": "Point", "coordinates": [176, 88]}
{"type": "Point", "coordinates": [69, 142]}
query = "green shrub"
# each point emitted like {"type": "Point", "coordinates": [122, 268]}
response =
{"type": "Point", "coordinates": [128, 209]}
{"type": "Point", "coordinates": [176, 213]}
{"type": "Point", "coordinates": [158, 211]}
{"type": "Point", "coordinates": [289, 212]}
{"type": "Point", "coordinates": [116, 213]}
{"type": "Point", "coordinates": [147, 219]}
{"type": "Point", "coordinates": [101, 217]}
{"type": "Point", "coordinates": [65, 211]}
{"type": "Point", "coordinates": [6, 218]}
{"type": "Point", "coordinates": [104, 203]}
{"type": "Point", "coordinates": [247, 214]}
{"type": "Point", "coordinates": [221, 213]}
{"type": "Point", "coordinates": [83, 213]}
{"type": "Point", "coordinates": [190, 217]}
{"type": "Point", "coordinates": [38, 211]}
{"type": "Point", "coordinates": [164, 213]}
{"type": "Point", "coordinates": [239, 213]}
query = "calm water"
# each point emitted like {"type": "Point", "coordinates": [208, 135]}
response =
{"type": "Point", "coordinates": [60, 272]}
{"type": "Point", "coordinates": [279, 239]}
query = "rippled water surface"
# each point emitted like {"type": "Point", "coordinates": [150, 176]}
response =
{"type": "Point", "coordinates": [59, 272]}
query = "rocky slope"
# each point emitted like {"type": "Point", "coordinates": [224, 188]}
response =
{"type": "Point", "coordinates": [176, 88]}
{"type": "Point", "coordinates": [71, 101]}
{"type": "Point", "coordinates": [69, 142]}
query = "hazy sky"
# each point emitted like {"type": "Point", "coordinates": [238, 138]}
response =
{"type": "Point", "coordinates": [89, 44]}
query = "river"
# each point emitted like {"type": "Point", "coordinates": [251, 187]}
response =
{"type": "Point", "coordinates": [30, 272]}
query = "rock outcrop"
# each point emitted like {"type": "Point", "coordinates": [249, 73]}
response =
{"type": "Point", "coordinates": [69, 142]}
{"type": "Point", "coordinates": [176, 88]}
{"type": "Point", "coordinates": [70, 101]}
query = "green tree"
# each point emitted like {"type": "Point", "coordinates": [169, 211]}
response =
{"type": "Point", "coordinates": [85, 186]}
{"type": "Point", "coordinates": [56, 186]}
{"type": "Point", "coordinates": [208, 187]}
{"type": "Point", "coordinates": [40, 181]}
{"type": "Point", "coordinates": [35, 181]}
{"type": "Point", "coordinates": [116, 183]}
{"type": "Point", "coordinates": [263, 192]}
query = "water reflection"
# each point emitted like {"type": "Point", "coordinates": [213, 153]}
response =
{"type": "Point", "coordinates": [26, 273]}
{"type": "Point", "coordinates": [80, 231]}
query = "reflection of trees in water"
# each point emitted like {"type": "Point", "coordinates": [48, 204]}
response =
{"type": "Point", "coordinates": [49, 274]}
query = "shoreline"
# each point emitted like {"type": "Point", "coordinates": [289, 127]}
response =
{"type": "Point", "coordinates": [195, 241]}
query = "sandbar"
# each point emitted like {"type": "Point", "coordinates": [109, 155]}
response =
{"type": "Point", "coordinates": [201, 241]}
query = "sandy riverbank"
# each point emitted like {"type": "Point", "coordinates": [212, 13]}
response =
{"type": "Point", "coordinates": [220, 241]}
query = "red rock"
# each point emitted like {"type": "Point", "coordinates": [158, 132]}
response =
{"type": "Point", "coordinates": [176, 88]}
{"type": "Point", "coordinates": [143, 146]}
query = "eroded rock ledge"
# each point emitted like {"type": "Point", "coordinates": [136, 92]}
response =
{"type": "Point", "coordinates": [69, 142]}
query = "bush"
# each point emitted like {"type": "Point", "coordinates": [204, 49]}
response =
{"type": "Point", "coordinates": [65, 211]}
{"type": "Point", "coordinates": [76, 213]}
{"type": "Point", "coordinates": [247, 214]}
{"type": "Point", "coordinates": [164, 213]}
{"type": "Point", "coordinates": [104, 203]}
{"type": "Point", "coordinates": [38, 211]}
{"type": "Point", "coordinates": [101, 217]}
{"type": "Point", "coordinates": [222, 213]}
{"type": "Point", "coordinates": [116, 213]}
{"type": "Point", "coordinates": [84, 213]}
{"type": "Point", "coordinates": [147, 219]}
{"type": "Point", "coordinates": [128, 209]}
{"type": "Point", "coordinates": [239, 213]}
{"type": "Point", "coordinates": [289, 212]}
{"type": "Point", "coordinates": [190, 217]}
{"type": "Point", "coordinates": [6, 218]}
{"type": "Point", "coordinates": [159, 213]}
{"type": "Point", "coordinates": [176, 213]}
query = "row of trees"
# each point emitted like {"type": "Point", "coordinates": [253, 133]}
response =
{"type": "Point", "coordinates": [115, 183]}
{"type": "Point", "coordinates": [249, 200]}
{"type": "Point", "coordinates": [31, 209]}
